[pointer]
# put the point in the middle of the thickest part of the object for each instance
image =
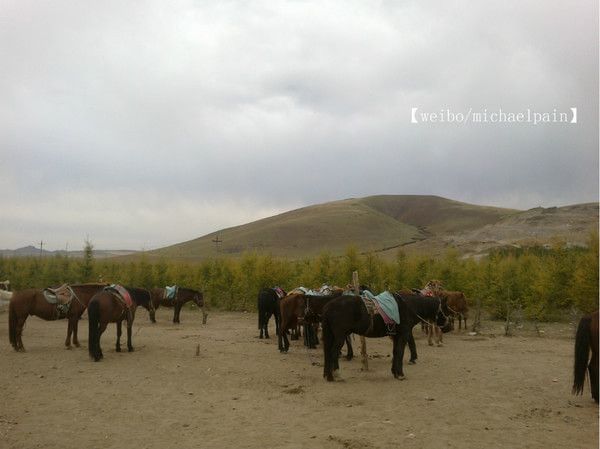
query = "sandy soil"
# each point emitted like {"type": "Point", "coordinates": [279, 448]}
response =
{"type": "Point", "coordinates": [475, 392]}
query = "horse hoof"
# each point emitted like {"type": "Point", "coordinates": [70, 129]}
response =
{"type": "Point", "coordinates": [412, 362]}
{"type": "Point", "coordinates": [400, 377]}
{"type": "Point", "coordinates": [130, 349]}
{"type": "Point", "coordinates": [260, 336]}
{"type": "Point", "coordinates": [118, 349]}
{"type": "Point", "coordinates": [77, 345]}
{"type": "Point", "coordinates": [430, 344]}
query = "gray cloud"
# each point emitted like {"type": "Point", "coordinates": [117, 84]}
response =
{"type": "Point", "coordinates": [146, 124]}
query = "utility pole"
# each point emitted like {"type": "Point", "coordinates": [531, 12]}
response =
{"type": "Point", "coordinates": [217, 240]}
{"type": "Point", "coordinates": [41, 248]}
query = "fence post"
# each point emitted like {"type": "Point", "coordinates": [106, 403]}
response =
{"type": "Point", "coordinates": [363, 340]}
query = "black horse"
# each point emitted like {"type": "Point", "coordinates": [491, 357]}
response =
{"type": "Point", "coordinates": [108, 306]}
{"type": "Point", "coordinates": [268, 304]}
{"type": "Point", "coordinates": [348, 314]}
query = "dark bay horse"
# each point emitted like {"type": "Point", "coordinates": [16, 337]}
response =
{"type": "Point", "coordinates": [105, 307]}
{"type": "Point", "coordinates": [33, 302]}
{"type": "Point", "coordinates": [586, 339]}
{"type": "Point", "coordinates": [268, 305]}
{"type": "Point", "coordinates": [348, 314]}
{"type": "Point", "coordinates": [182, 295]}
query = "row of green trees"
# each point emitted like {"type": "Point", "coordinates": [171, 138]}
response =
{"type": "Point", "coordinates": [543, 282]}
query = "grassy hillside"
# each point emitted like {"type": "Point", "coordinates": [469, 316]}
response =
{"type": "Point", "coordinates": [304, 232]}
{"type": "Point", "coordinates": [425, 224]}
{"type": "Point", "coordinates": [436, 214]}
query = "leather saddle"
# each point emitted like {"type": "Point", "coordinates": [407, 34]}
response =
{"type": "Point", "coordinates": [61, 295]}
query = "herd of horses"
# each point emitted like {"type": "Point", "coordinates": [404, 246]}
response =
{"type": "Point", "coordinates": [343, 312]}
{"type": "Point", "coordinates": [338, 314]}
{"type": "Point", "coordinates": [105, 304]}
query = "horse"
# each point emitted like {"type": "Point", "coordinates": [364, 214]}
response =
{"type": "Point", "coordinates": [33, 302]}
{"type": "Point", "coordinates": [348, 314]}
{"type": "Point", "coordinates": [268, 305]}
{"type": "Point", "coordinates": [456, 301]}
{"type": "Point", "coordinates": [182, 295]}
{"type": "Point", "coordinates": [586, 339]}
{"type": "Point", "coordinates": [295, 308]}
{"type": "Point", "coordinates": [108, 306]}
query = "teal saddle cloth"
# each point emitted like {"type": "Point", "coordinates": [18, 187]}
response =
{"type": "Point", "coordinates": [387, 303]}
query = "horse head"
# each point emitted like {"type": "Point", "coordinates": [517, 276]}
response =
{"type": "Point", "coordinates": [199, 299]}
{"type": "Point", "coordinates": [442, 317]}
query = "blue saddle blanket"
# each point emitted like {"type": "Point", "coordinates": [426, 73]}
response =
{"type": "Point", "coordinates": [171, 292]}
{"type": "Point", "coordinates": [387, 303]}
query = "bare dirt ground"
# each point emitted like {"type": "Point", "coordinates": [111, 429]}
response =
{"type": "Point", "coordinates": [487, 391]}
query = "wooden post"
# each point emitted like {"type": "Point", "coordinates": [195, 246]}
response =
{"type": "Point", "coordinates": [363, 340]}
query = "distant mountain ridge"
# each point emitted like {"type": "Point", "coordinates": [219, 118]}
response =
{"type": "Point", "coordinates": [28, 251]}
{"type": "Point", "coordinates": [383, 223]}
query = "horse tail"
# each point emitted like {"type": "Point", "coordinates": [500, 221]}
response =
{"type": "Point", "coordinates": [583, 339]}
{"type": "Point", "coordinates": [12, 324]}
{"type": "Point", "coordinates": [94, 329]}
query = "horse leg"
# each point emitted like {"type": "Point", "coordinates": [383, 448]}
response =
{"type": "Point", "coordinates": [176, 313]}
{"type": "Point", "coordinates": [100, 332]}
{"type": "Point", "coordinates": [69, 332]}
{"type": "Point", "coordinates": [430, 334]}
{"type": "Point", "coordinates": [286, 342]}
{"type": "Point", "coordinates": [20, 326]}
{"type": "Point", "coordinates": [349, 351]}
{"type": "Point", "coordinates": [413, 348]}
{"type": "Point", "coordinates": [75, 328]}
{"type": "Point", "coordinates": [266, 324]}
{"type": "Point", "coordinates": [593, 370]}
{"type": "Point", "coordinates": [400, 341]}
{"type": "Point", "coordinates": [129, 327]}
{"type": "Point", "coordinates": [439, 336]}
{"type": "Point", "coordinates": [119, 331]}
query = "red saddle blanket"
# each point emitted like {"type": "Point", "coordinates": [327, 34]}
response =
{"type": "Point", "coordinates": [123, 294]}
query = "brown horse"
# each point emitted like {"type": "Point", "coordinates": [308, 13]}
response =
{"type": "Point", "coordinates": [297, 309]}
{"type": "Point", "coordinates": [455, 301]}
{"type": "Point", "coordinates": [33, 302]}
{"type": "Point", "coordinates": [586, 339]}
{"type": "Point", "coordinates": [182, 295]}
{"type": "Point", "coordinates": [110, 306]}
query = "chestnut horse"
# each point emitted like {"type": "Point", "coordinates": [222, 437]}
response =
{"type": "Point", "coordinates": [182, 295]}
{"type": "Point", "coordinates": [33, 302]}
{"type": "Point", "coordinates": [456, 301]}
{"type": "Point", "coordinates": [107, 306]}
{"type": "Point", "coordinates": [586, 339]}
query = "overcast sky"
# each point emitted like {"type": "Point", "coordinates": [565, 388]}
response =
{"type": "Point", "coordinates": [142, 124]}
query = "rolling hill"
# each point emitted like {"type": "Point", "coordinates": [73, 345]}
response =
{"type": "Point", "coordinates": [384, 223]}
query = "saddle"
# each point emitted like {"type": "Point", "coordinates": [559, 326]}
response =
{"type": "Point", "coordinates": [61, 297]}
{"type": "Point", "coordinates": [279, 292]}
{"type": "Point", "coordinates": [374, 306]}
{"type": "Point", "coordinates": [121, 293]}
{"type": "Point", "coordinates": [170, 292]}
